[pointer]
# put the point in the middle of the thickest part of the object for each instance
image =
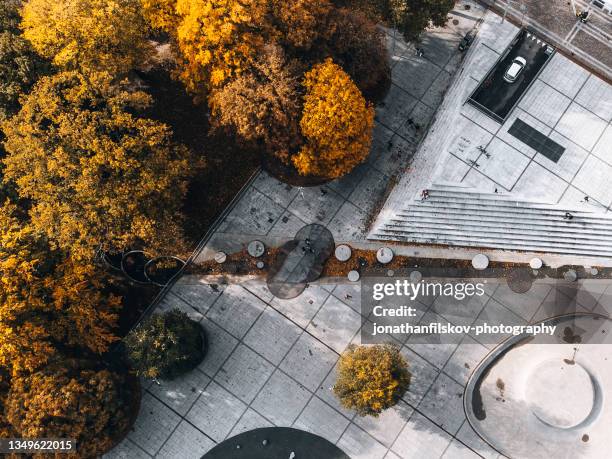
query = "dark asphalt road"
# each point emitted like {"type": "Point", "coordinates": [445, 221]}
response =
{"type": "Point", "coordinates": [498, 97]}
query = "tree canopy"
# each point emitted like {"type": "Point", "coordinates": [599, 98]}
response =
{"type": "Point", "coordinates": [79, 401]}
{"type": "Point", "coordinates": [337, 123]}
{"type": "Point", "coordinates": [47, 298]}
{"type": "Point", "coordinates": [88, 35]}
{"type": "Point", "coordinates": [99, 176]}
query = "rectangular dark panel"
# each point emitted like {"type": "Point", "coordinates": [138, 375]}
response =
{"type": "Point", "coordinates": [536, 140]}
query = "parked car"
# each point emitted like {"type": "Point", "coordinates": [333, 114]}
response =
{"type": "Point", "coordinates": [515, 69]}
{"type": "Point", "coordinates": [466, 42]}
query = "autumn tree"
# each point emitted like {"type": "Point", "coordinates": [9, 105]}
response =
{"type": "Point", "coordinates": [47, 299]}
{"type": "Point", "coordinates": [89, 35]}
{"type": "Point", "coordinates": [371, 378]}
{"type": "Point", "coordinates": [336, 122]}
{"type": "Point", "coordinates": [263, 104]}
{"type": "Point", "coordinates": [165, 345]}
{"type": "Point", "coordinates": [20, 67]}
{"type": "Point", "coordinates": [299, 24]}
{"type": "Point", "coordinates": [9, 16]}
{"type": "Point", "coordinates": [98, 175]}
{"type": "Point", "coordinates": [161, 14]}
{"type": "Point", "coordinates": [358, 46]}
{"type": "Point", "coordinates": [75, 400]}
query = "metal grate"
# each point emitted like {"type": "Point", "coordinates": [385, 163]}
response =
{"type": "Point", "coordinates": [536, 140]}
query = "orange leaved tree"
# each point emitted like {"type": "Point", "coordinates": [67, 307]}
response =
{"type": "Point", "coordinates": [336, 122]}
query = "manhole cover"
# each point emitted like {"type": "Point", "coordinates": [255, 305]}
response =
{"type": "Point", "coordinates": [256, 248]}
{"type": "Point", "coordinates": [343, 252]}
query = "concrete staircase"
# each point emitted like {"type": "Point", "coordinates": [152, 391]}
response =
{"type": "Point", "coordinates": [457, 215]}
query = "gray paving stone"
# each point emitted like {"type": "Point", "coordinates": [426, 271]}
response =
{"type": "Point", "coordinates": [359, 445]}
{"type": "Point", "coordinates": [422, 376]}
{"type": "Point", "coordinates": [482, 60]}
{"type": "Point", "coordinates": [495, 313]}
{"type": "Point", "coordinates": [421, 439]}
{"type": "Point", "coordinates": [335, 324]}
{"type": "Point", "coordinates": [544, 103]}
{"type": "Point", "coordinates": [505, 165]}
{"type": "Point", "coordinates": [387, 426]}
{"type": "Point", "coordinates": [244, 373]}
{"type": "Point", "coordinates": [453, 170]}
{"type": "Point", "coordinates": [602, 150]}
{"type": "Point", "coordinates": [537, 182]}
{"type": "Point", "coordinates": [325, 391]}
{"type": "Point", "coordinates": [205, 413]}
{"type": "Point", "coordinates": [154, 424]}
{"type": "Point", "coordinates": [281, 193]}
{"type": "Point", "coordinates": [186, 442]}
{"type": "Point", "coordinates": [317, 205]}
{"type": "Point", "coordinates": [596, 96]}
{"type": "Point", "coordinates": [272, 335]}
{"type": "Point", "coordinates": [404, 74]}
{"type": "Point", "coordinates": [250, 420]}
{"type": "Point", "coordinates": [396, 108]}
{"type": "Point", "coordinates": [525, 304]}
{"type": "Point", "coordinates": [220, 345]}
{"type": "Point", "coordinates": [369, 191]}
{"type": "Point", "coordinates": [478, 180]}
{"type": "Point", "coordinates": [287, 226]}
{"type": "Point", "coordinates": [259, 288]}
{"type": "Point", "coordinates": [573, 157]}
{"type": "Point", "coordinates": [479, 118]}
{"type": "Point", "coordinates": [439, 45]}
{"type": "Point", "coordinates": [236, 310]}
{"type": "Point", "coordinates": [594, 179]}
{"type": "Point", "coordinates": [349, 294]}
{"type": "Point", "coordinates": [349, 223]}
{"type": "Point", "coordinates": [434, 95]}
{"type": "Point", "coordinates": [309, 361]}
{"type": "Point", "coordinates": [468, 137]}
{"type": "Point", "coordinates": [199, 295]}
{"type": "Point", "coordinates": [392, 157]}
{"type": "Point", "coordinates": [435, 348]}
{"type": "Point", "coordinates": [172, 302]}
{"type": "Point", "coordinates": [457, 450]}
{"type": "Point", "coordinates": [303, 308]}
{"type": "Point", "coordinates": [443, 404]}
{"type": "Point", "coordinates": [281, 400]}
{"type": "Point", "coordinates": [254, 214]}
{"type": "Point", "coordinates": [465, 359]}
{"type": "Point", "coordinates": [321, 419]}
{"type": "Point", "coordinates": [565, 75]}
{"type": "Point", "coordinates": [467, 435]}
{"type": "Point", "coordinates": [459, 312]}
{"type": "Point", "coordinates": [345, 185]}
{"type": "Point", "coordinates": [180, 393]}
{"type": "Point", "coordinates": [582, 126]}
{"type": "Point", "coordinates": [126, 450]}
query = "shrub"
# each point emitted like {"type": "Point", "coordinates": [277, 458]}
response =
{"type": "Point", "coordinates": [84, 402]}
{"type": "Point", "coordinates": [371, 378]}
{"type": "Point", "coordinates": [336, 122]}
{"type": "Point", "coordinates": [165, 345]}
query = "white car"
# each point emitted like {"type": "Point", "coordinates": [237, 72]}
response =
{"type": "Point", "coordinates": [515, 69]}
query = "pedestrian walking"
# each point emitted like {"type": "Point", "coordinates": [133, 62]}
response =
{"type": "Point", "coordinates": [568, 216]}
{"type": "Point", "coordinates": [424, 195]}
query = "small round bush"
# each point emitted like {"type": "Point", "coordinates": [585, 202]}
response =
{"type": "Point", "coordinates": [91, 404]}
{"type": "Point", "coordinates": [371, 378]}
{"type": "Point", "coordinates": [166, 345]}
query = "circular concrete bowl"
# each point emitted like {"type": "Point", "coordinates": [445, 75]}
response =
{"type": "Point", "coordinates": [547, 396]}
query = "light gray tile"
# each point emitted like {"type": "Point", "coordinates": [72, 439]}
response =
{"type": "Point", "coordinates": [539, 183]}
{"type": "Point", "coordinates": [596, 96]}
{"type": "Point", "coordinates": [386, 427]}
{"type": "Point", "coordinates": [317, 204]}
{"type": "Point", "coordinates": [244, 373]}
{"type": "Point", "coordinates": [254, 214]}
{"type": "Point", "coordinates": [309, 361]}
{"type": "Point", "coordinates": [154, 424]}
{"type": "Point", "coordinates": [272, 335]}
{"type": "Point", "coordinates": [421, 439]}
{"type": "Point", "coordinates": [443, 404]}
{"type": "Point", "coordinates": [505, 165]}
{"type": "Point", "coordinates": [395, 109]}
{"type": "Point", "coordinates": [581, 126]}
{"type": "Point", "coordinates": [422, 376]}
{"type": "Point", "coordinates": [220, 345]}
{"type": "Point", "coordinates": [304, 307]}
{"type": "Point", "coordinates": [236, 310]}
{"type": "Point", "coordinates": [544, 103]}
{"type": "Point", "coordinates": [320, 419]}
{"type": "Point", "coordinates": [414, 75]}
{"type": "Point", "coordinates": [127, 449]}
{"type": "Point", "coordinates": [566, 76]}
{"type": "Point", "coordinates": [595, 179]}
{"type": "Point", "coordinates": [204, 414]}
{"type": "Point", "coordinates": [349, 224]}
{"type": "Point", "coordinates": [335, 324]}
{"type": "Point", "coordinates": [186, 442]}
{"type": "Point", "coordinates": [359, 445]}
{"type": "Point", "coordinates": [279, 192]}
{"type": "Point", "coordinates": [281, 400]}
{"type": "Point", "coordinates": [180, 393]}
{"type": "Point", "coordinates": [465, 359]}
{"type": "Point", "coordinates": [250, 420]}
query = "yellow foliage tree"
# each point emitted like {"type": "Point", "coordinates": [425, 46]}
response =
{"type": "Point", "coordinates": [337, 123]}
{"type": "Point", "coordinates": [98, 176]}
{"type": "Point", "coordinates": [89, 35]}
{"type": "Point", "coordinates": [299, 23]}
{"type": "Point", "coordinates": [217, 39]}
{"type": "Point", "coordinates": [46, 299]}
{"type": "Point", "coordinates": [161, 14]}
{"type": "Point", "coordinates": [371, 378]}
